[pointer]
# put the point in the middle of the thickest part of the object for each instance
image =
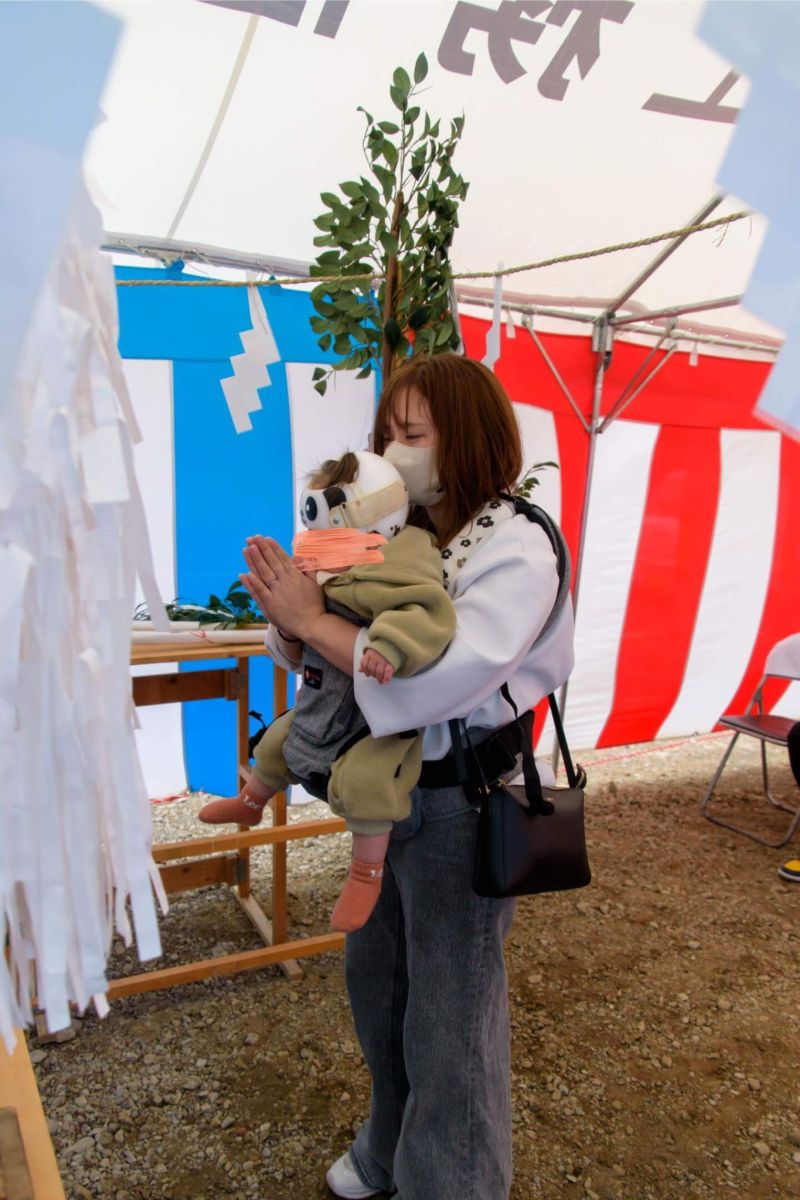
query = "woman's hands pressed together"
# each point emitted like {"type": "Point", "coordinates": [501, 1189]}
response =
{"type": "Point", "coordinates": [288, 599]}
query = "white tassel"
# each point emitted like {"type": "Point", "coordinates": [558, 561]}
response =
{"type": "Point", "coordinates": [493, 336]}
{"type": "Point", "coordinates": [75, 818]}
{"type": "Point", "coordinates": [250, 369]}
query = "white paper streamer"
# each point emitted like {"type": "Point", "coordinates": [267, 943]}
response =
{"type": "Point", "coordinates": [493, 336]}
{"type": "Point", "coordinates": [75, 852]}
{"type": "Point", "coordinates": [250, 369]}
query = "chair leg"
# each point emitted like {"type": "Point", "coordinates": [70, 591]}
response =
{"type": "Point", "coordinates": [790, 808]}
{"type": "Point", "coordinates": [715, 781]}
{"type": "Point", "coordinates": [704, 808]}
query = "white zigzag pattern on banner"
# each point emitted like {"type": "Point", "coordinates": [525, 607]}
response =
{"type": "Point", "coordinates": [250, 369]}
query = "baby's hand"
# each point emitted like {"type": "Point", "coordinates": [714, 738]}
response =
{"type": "Point", "coordinates": [376, 665]}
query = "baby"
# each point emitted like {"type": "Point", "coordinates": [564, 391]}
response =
{"type": "Point", "coordinates": [324, 742]}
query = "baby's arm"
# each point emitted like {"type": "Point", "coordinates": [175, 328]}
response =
{"type": "Point", "coordinates": [412, 624]}
{"type": "Point", "coordinates": [375, 665]}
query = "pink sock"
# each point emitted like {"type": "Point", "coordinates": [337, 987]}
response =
{"type": "Point", "coordinates": [358, 897]}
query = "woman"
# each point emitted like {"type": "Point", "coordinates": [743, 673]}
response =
{"type": "Point", "coordinates": [426, 975]}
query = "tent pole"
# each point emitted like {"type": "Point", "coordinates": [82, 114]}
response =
{"type": "Point", "coordinates": [679, 310]}
{"type": "Point", "coordinates": [602, 341]}
{"type": "Point", "coordinates": [621, 405]}
{"type": "Point", "coordinates": [528, 323]}
{"type": "Point", "coordinates": [664, 254]}
{"type": "Point", "coordinates": [627, 394]}
{"type": "Point", "coordinates": [603, 335]}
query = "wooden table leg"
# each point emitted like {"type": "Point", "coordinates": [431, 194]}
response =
{"type": "Point", "coordinates": [19, 1093]}
{"type": "Point", "coordinates": [243, 758]}
{"type": "Point", "coordinates": [279, 898]}
{"type": "Point", "coordinates": [291, 967]}
{"type": "Point", "coordinates": [273, 931]}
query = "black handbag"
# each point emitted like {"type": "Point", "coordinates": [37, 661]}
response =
{"type": "Point", "coordinates": [530, 839]}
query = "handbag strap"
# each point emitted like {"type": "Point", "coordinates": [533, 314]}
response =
{"type": "Point", "coordinates": [576, 779]}
{"type": "Point", "coordinates": [533, 784]}
{"type": "Point", "coordinates": [474, 781]}
{"type": "Point", "coordinates": [471, 775]}
{"type": "Point", "coordinates": [471, 778]}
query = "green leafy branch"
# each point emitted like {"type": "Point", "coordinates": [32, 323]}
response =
{"type": "Point", "coordinates": [530, 481]}
{"type": "Point", "coordinates": [234, 611]}
{"type": "Point", "coordinates": [397, 223]}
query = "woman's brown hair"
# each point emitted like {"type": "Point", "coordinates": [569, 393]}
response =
{"type": "Point", "coordinates": [479, 452]}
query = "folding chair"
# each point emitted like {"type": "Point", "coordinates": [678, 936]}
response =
{"type": "Point", "coordinates": [783, 661]}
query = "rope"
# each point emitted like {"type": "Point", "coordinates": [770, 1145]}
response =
{"type": "Point", "coordinates": [294, 280]}
{"type": "Point", "coordinates": [654, 748]}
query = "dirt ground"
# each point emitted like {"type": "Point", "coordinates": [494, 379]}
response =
{"type": "Point", "coordinates": [656, 1024]}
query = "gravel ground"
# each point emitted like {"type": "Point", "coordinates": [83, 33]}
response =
{"type": "Point", "coordinates": [656, 1027]}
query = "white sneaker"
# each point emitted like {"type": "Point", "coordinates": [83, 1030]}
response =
{"type": "Point", "coordinates": [345, 1183]}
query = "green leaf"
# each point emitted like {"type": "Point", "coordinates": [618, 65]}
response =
{"type": "Point", "coordinates": [319, 372]}
{"type": "Point", "coordinates": [325, 308]}
{"type": "Point", "coordinates": [386, 179]}
{"type": "Point", "coordinates": [351, 189]}
{"type": "Point", "coordinates": [410, 116]}
{"type": "Point", "coordinates": [321, 387]}
{"type": "Point", "coordinates": [443, 333]}
{"type": "Point", "coordinates": [390, 154]}
{"type": "Point", "coordinates": [399, 99]}
{"type": "Point", "coordinates": [369, 116]}
{"type": "Point", "coordinates": [329, 259]}
{"type": "Point", "coordinates": [341, 344]}
{"type": "Point", "coordinates": [389, 243]}
{"type": "Point", "coordinates": [388, 127]}
{"type": "Point", "coordinates": [392, 333]}
{"type": "Point", "coordinates": [365, 371]}
{"type": "Point", "coordinates": [420, 69]}
{"type": "Point", "coordinates": [402, 81]}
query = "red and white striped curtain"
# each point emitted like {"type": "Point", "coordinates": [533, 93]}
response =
{"type": "Point", "coordinates": [691, 566]}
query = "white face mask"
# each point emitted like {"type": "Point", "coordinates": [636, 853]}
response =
{"type": "Point", "coordinates": [417, 465]}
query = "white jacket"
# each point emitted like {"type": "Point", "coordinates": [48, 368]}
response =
{"type": "Point", "coordinates": [502, 598]}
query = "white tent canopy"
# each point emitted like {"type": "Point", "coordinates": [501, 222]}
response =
{"type": "Point", "coordinates": [587, 125]}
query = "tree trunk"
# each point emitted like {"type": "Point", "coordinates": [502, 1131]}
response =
{"type": "Point", "coordinates": [390, 295]}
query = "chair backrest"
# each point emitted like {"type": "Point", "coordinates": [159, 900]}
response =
{"type": "Point", "coordinates": [784, 658]}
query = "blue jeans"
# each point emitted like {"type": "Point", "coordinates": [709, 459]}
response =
{"type": "Point", "coordinates": [429, 996]}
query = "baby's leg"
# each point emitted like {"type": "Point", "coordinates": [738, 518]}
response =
{"type": "Point", "coordinates": [245, 809]}
{"type": "Point", "coordinates": [270, 776]}
{"type": "Point", "coordinates": [363, 887]}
